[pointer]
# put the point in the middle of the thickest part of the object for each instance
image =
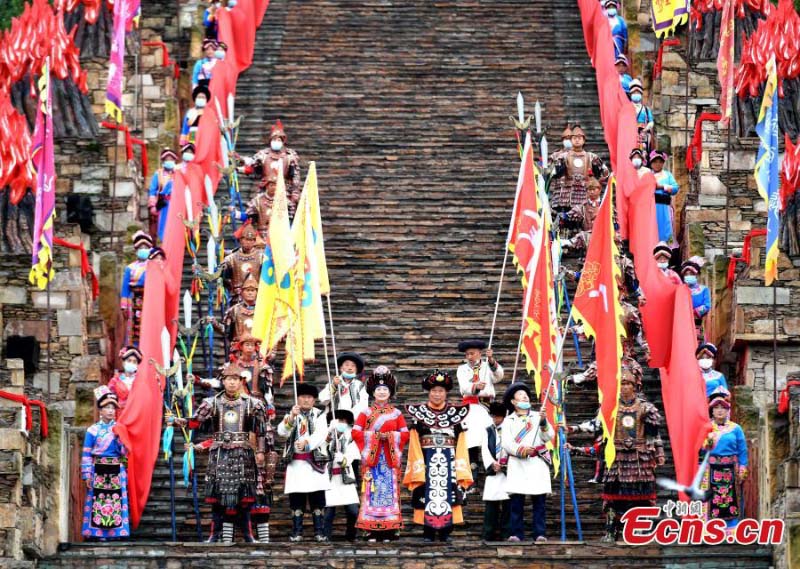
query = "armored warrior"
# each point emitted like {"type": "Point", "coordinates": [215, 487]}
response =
{"type": "Point", "coordinates": [267, 163]}
{"type": "Point", "coordinates": [577, 166]}
{"type": "Point", "coordinates": [241, 263]}
{"type": "Point", "coordinates": [232, 476]}
{"type": "Point", "coordinates": [238, 319]}
{"type": "Point", "coordinates": [630, 481]}
{"type": "Point", "coordinates": [438, 470]}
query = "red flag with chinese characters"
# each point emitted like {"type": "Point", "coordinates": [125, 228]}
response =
{"type": "Point", "coordinates": [525, 221]}
{"type": "Point", "coordinates": [597, 306]}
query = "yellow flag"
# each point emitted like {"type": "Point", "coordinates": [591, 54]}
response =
{"type": "Point", "coordinates": [312, 191]}
{"type": "Point", "coordinates": [307, 277]}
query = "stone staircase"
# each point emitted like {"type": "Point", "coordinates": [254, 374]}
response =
{"type": "Point", "coordinates": [404, 107]}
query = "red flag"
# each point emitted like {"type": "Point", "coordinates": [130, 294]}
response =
{"type": "Point", "coordinates": [684, 392]}
{"type": "Point", "coordinates": [725, 63]}
{"type": "Point", "coordinates": [525, 221]}
{"type": "Point", "coordinates": [597, 306]}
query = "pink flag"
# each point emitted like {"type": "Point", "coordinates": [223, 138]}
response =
{"type": "Point", "coordinates": [725, 64]}
{"type": "Point", "coordinates": [43, 162]}
{"type": "Point", "coordinates": [116, 63]}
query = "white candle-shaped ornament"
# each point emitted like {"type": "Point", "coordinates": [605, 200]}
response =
{"type": "Point", "coordinates": [537, 114]}
{"type": "Point", "coordinates": [212, 207]}
{"type": "Point", "coordinates": [543, 149]}
{"type": "Point", "coordinates": [209, 188]}
{"type": "Point", "coordinates": [178, 374]}
{"type": "Point", "coordinates": [165, 346]}
{"type": "Point", "coordinates": [212, 254]}
{"type": "Point", "coordinates": [231, 117]}
{"type": "Point", "coordinates": [187, 195]}
{"type": "Point", "coordinates": [520, 108]}
{"type": "Point", "coordinates": [187, 309]}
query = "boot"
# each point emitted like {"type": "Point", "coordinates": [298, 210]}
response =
{"type": "Point", "coordinates": [245, 526]}
{"type": "Point", "coordinates": [227, 532]}
{"type": "Point", "coordinates": [216, 528]}
{"type": "Point", "coordinates": [263, 532]}
{"type": "Point", "coordinates": [610, 536]}
{"type": "Point", "coordinates": [350, 532]}
{"type": "Point", "coordinates": [319, 525]}
{"type": "Point", "coordinates": [297, 526]}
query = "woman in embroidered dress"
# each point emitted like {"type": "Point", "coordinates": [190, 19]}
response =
{"type": "Point", "coordinates": [438, 471]}
{"type": "Point", "coordinates": [122, 382]}
{"type": "Point", "coordinates": [381, 434]}
{"type": "Point", "coordinates": [131, 296]}
{"type": "Point", "coordinates": [727, 465]}
{"type": "Point", "coordinates": [105, 511]}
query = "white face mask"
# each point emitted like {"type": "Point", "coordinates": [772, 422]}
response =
{"type": "Point", "coordinates": [705, 363]}
{"type": "Point", "coordinates": [200, 102]}
{"type": "Point", "coordinates": [129, 367]}
{"type": "Point", "coordinates": [637, 163]}
{"type": "Point", "coordinates": [663, 266]}
{"type": "Point", "coordinates": [567, 144]}
{"type": "Point", "coordinates": [276, 144]}
{"type": "Point", "coordinates": [187, 156]}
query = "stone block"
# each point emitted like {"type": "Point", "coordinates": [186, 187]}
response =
{"type": "Point", "coordinates": [762, 326]}
{"type": "Point", "coordinates": [13, 295]}
{"type": "Point", "coordinates": [35, 328]}
{"type": "Point", "coordinates": [122, 219]}
{"type": "Point", "coordinates": [146, 79]}
{"type": "Point", "coordinates": [12, 439]}
{"type": "Point", "coordinates": [95, 173]}
{"type": "Point", "coordinates": [740, 225]}
{"type": "Point", "coordinates": [712, 185]}
{"type": "Point", "coordinates": [15, 363]}
{"type": "Point", "coordinates": [70, 323]}
{"type": "Point", "coordinates": [151, 92]}
{"type": "Point", "coordinates": [128, 100]}
{"type": "Point", "coordinates": [67, 281]}
{"type": "Point", "coordinates": [791, 326]}
{"type": "Point", "coordinates": [712, 200]}
{"type": "Point", "coordinates": [88, 187]}
{"type": "Point", "coordinates": [704, 215]}
{"type": "Point", "coordinates": [75, 345]}
{"type": "Point", "coordinates": [67, 408]}
{"type": "Point", "coordinates": [740, 160]}
{"type": "Point", "coordinates": [124, 189]}
{"type": "Point", "coordinates": [151, 132]}
{"type": "Point", "coordinates": [8, 515]}
{"type": "Point", "coordinates": [761, 295]}
{"type": "Point", "coordinates": [759, 205]}
{"type": "Point", "coordinates": [86, 369]}
{"type": "Point", "coordinates": [672, 60]}
{"type": "Point", "coordinates": [58, 300]}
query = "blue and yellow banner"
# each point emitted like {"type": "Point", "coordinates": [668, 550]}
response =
{"type": "Point", "coordinates": [766, 172]}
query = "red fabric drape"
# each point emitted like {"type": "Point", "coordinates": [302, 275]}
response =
{"type": "Point", "coordinates": [667, 319]}
{"type": "Point", "coordinates": [139, 425]}
{"type": "Point", "coordinates": [27, 404]}
{"type": "Point", "coordinates": [86, 268]}
{"type": "Point", "coordinates": [695, 151]}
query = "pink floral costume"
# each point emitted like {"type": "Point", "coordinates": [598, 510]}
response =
{"type": "Point", "coordinates": [105, 511]}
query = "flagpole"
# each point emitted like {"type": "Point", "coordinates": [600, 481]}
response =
{"type": "Point", "coordinates": [333, 335]}
{"type": "Point", "coordinates": [499, 290]}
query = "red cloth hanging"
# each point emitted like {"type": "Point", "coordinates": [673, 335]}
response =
{"type": "Point", "coordinates": [28, 417]}
{"type": "Point", "coordinates": [86, 268]}
{"type": "Point", "coordinates": [695, 151]}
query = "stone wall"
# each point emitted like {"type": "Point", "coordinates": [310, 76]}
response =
{"type": "Point", "coordinates": [34, 473]}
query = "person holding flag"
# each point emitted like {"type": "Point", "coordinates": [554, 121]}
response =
{"type": "Point", "coordinates": [524, 435]}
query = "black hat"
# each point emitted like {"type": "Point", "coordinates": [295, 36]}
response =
{"type": "Point", "coordinates": [129, 351]}
{"type": "Point", "coordinates": [201, 90]}
{"type": "Point", "coordinates": [104, 396]}
{"type": "Point", "coordinates": [353, 357]}
{"type": "Point", "coordinates": [690, 265]}
{"type": "Point", "coordinates": [497, 409]}
{"type": "Point", "coordinates": [662, 247]}
{"type": "Point", "coordinates": [344, 415]}
{"type": "Point", "coordinates": [141, 238]}
{"type": "Point", "coordinates": [468, 344]}
{"type": "Point", "coordinates": [706, 347]}
{"type": "Point", "coordinates": [438, 379]}
{"type": "Point", "coordinates": [307, 389]}
{"type": "Point", "coordinates": [637, 152]}
{"type": "Point", "coordinates": [381, 376]}
{"type": "Point", "coordinates": [511, 390]}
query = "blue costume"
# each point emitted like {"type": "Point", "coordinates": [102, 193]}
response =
{"type": "Point", "coordinates": [664, 212]}
{"type": "Point", "coordinates": [160, 193]}
{"type": "Point", "coordinates": [105, 511]}
{"type": "Point", "coordinates": [714, 380]}
{"type": "Point", "coordinates": [625, 81]}
{"type": "Point", "coordinates": [619, 33]}
{"type": "Point", "coordinates": [202, 70]}
{"type": "Point", "coordinates": [701, 300]}
{"type": "Point", "coordinates": [131, 299]}
{"type": "Point", "coordinates": [726, 467]}
{"type": "Point", "coordinates": [210, 24]}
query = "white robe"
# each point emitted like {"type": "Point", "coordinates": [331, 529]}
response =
{"type": "Point", "coordinates": [300, 476]}
{"type": "Point", "coordinates": [478, 418]}
{"type": "Point", "coordinates": [341, 494]}
{"type": "Point", "coordinates": [494, 486]}
{"type": "Point", "coordinates": [529, 475]}
{"type": "Point", "coordinates": [345, 401]}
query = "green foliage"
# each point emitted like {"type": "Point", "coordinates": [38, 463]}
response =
{"type": "Point", "coordinates": [8, 10]}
